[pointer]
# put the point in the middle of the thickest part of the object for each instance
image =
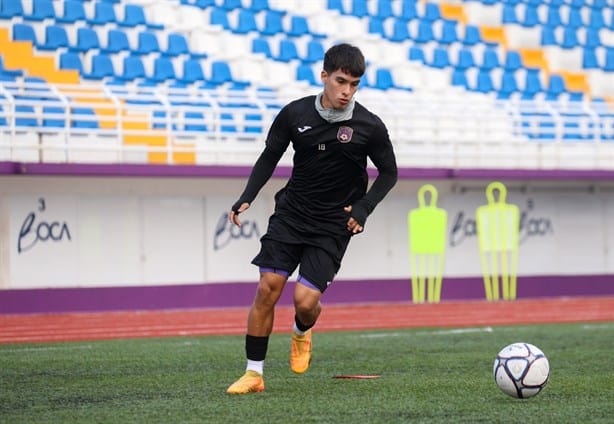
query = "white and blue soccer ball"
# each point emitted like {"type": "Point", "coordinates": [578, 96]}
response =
{"type": "Point", "coordinates": [521, 370]}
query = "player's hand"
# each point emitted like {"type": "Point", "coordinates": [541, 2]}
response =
{"type": "Point", "coordinates": [353, 226]}
{"type": "Point", "coordinates": [233, 217]}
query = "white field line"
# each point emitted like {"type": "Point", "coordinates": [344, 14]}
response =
{"type": "Point", "coordinates": [431, 333]}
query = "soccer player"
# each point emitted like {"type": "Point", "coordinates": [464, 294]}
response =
{"type": "Point", "coordinates": [324, 203]}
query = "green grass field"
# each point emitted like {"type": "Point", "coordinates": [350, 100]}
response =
{"type": "Point", "coordinates": [427, 375]}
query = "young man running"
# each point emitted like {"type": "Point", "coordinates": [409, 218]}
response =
{"type": "Point", "coordinates": [324, 203]}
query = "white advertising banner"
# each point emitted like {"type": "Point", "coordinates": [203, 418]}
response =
{"type": "Point", "coordinates": [74, 237]}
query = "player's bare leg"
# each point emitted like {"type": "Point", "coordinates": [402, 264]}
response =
{"type": "Point", "coordinates": [259, 327]}
{"type": "Point", "coordinates": [307, 308]}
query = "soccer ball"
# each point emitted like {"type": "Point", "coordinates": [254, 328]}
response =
{"type": "Point", "coordinates": [521, 370]}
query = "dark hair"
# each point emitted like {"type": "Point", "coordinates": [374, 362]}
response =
{"type": "Point", "coordinates": [345, 57]}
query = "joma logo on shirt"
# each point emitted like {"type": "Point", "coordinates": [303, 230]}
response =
{"type": "Point", "coordinates": [344, 135]}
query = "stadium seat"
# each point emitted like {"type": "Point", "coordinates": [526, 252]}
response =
{"type": "Point", "coordinates": [24, 32]}
{"type": "Point", "coordinates": [219, 16]}
{"type": "Point", "coordinates": [147, 43]}
{"type": "Point", "coordinates": [556, 86]}
{"type": "Point", "coordinates": [425, 32]}
{"type": "Point", "coordinates": [104, 13]}
{"type": "Point", "coordinates": [304, 72]}
{"type": "Point", "coordinates": [449, 33]}
{"type": "Point", "coordinates": [287, 50]}
{"type": "Point", "coordinates": [87, 39]}
{"type": "Point", "coordinates": [163, 70]}
{"type": "Point", "coordinates": [55, 38]}
{"type": "Point", "coordinates": [484, 82]}
{"type": "Point", "coordinates": [440, 58]}
{"type": "Point", "coordinates": [553, 18]}
{"type": "Point", "coordinates": [54, 117]}
{"type": "Point", "coordinates": [41, 10]}
{"type": "Point", "coordinates": [10, 9]}
{"type": "Point", "coordinates": [25, 116]}
{"type": "Point", "coordinates": [220, 73]}
{"type": "Point", "coordinates": [134, 15]}
{"type": "Point", "coordinates": [273, 23]}
{"type": "Point", "coordinates": [336, 5]}
{"type": "Point", "coordinates": [509, 15]}
{"type": "Point", "coordinates": [532, 84]}
{"type": "Point", "coordinates": [133, 68]}
{"type": "Point", "coordinates": [464, 59]}
{"type": "Point", "coordinates": [408, 9]}
{"type": "Point", "coordinates": [383, 8]}
{"type": "Point", "coordinates": [102, 67]}
{"type": "Point", "coordinates": [89, 119]}
{"type": "Point", "coordinates": [459, 78]}
{"type": "Point", "coordinates": [431, 12]}
{"type": "Point", "coordinates": [589, 58]}
{"type": "Point", "coordinates": [231, 4]}
{"type": "Point", "coordinates": [376, 26]}
{"type": "Point", "coordinates": [383, 79]}
{"type": "Point", "coordinates": [71, 60]}
{"type": "Point", "coordinates": [73, 12]}
{"type": "Point", "coordinates": [117, 41]}
{"type": "Point", "coordinates": [314, 51]}
{"type": "Point", "coordinates": [531, 16]}
{"type": "Point", "coordinates": [246, 22]}
{"type": "Point", "coordinates": [176, 45]}
{"type": "Point", "coordinates": [359, 8]}
{"type": "Point", "coordinates": [400, 30]}
{"type": "Point", "coordinates": [259, 5]}
{"type": "Point", "coordinates": [261, 45]}
{"type": "Point", "coordinates": [490, 59]}
{"type": "Point", "coordinates": [570, 38]}
{"type": "Point", "coordinates": [472, 35]}
{"type": "Point", "coordinates": [416, 54]}
{"type": "Point", "coordinates": [194, 121]}
{"type": "Point", "coordinates": [513, 61]}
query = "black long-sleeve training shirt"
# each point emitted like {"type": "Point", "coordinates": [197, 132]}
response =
{"type": "Point", "coordinates": [329, 169]}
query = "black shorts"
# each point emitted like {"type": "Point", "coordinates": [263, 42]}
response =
{"type": "Point", "coordinates": [319, 256]}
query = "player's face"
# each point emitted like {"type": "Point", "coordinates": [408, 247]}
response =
{"type": "Point", "coordinates": [339, 88]}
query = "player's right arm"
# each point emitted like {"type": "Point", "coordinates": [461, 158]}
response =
{"type": "Point", "coordinates": [276, 143]}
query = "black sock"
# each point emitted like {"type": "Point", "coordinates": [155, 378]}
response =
{"type": "Point", "coordinates": [256, 347]}
{"type": "Point", "coordinates": [300, 325]}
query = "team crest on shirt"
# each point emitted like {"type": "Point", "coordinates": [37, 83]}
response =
{"type": "Point", "coordinates": [344, 135]}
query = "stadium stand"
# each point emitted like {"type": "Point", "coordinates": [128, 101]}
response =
{"type": "Point", "coordinates": [478, 83]}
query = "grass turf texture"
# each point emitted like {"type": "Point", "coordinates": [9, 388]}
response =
{"type": "Point", "coordinates": [427, 375]}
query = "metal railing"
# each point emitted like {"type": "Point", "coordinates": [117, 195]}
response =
{"type": "Point", "coordinates": [126, 123]}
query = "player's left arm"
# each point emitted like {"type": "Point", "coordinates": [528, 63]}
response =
{"type": "Point", "coordinates": [381, 153]}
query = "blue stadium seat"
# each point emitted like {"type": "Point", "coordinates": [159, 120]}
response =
{"type": "Point", "coordinates": [531, 16]}
{"type": "Point", "coordinates": [287, 50]}
{"type": "Point", "coordinates": [575, 19]}
{"type": "Point", "coordinates": [24, 32]}
{"type": "Point", "coordinates": [231, 4]}
{"type": "Point", "coordinates": [484, 82]}
{"type": "Point", "coordinates": [10, 9]}
{"type": "Point", "coordinates": [203, 4]}
{"type": "Point", "coordinates": [431, 12]}
{"type": "Point", "coordinates": [176, 45]}
{"type": "Point", "coordinates": [513, 61]}
{"type": "Point", "coordinates": [246, 22]}
{"type": "Point", "coordinates": [104, 13]}
{"type": "Point", "coordinates": [102, 67]}
{"type": "Point", "coordinates": [490, 59]}
{"type": "Point", "coordinates": [41, 10]}
{"type": "Point", "coordinates": [440, 58]}
{"type": "Point", "coordinates": [133, 68]}
{"type": "Point", "coordinates": [315, 51]}
{"type": "Point", "coordinates": [134, 15]}
{"type": "Point", "coordinates": [253, 123]}
{"type": "Point", "coordinates": [449, 34]}
{"type": "Point", "coordinates": [89, 120]}
{"type": "Point", "coordinates": [548, 36]}
{"type": "Point", "coordinates": [596, 19]}
{"type": "Point", "coordinates": [304, 72]}
{"type": "Point", "coordinates": [147, 42]}
{"type": "Point", "coordinates": [532, 85]}
{"type": "Point", "coordinates": [384, 9]}
{"type": "Point", "coordinates": [376, 26]}
{"type": "Point", "coordinates": [556, 86]}
{"type": "Point", "coordinates": [459, 78]}
{"type": "Point", "coordinates": [163, 70]}
{"type": "Point", "coordinates": [219, 16]}
{"type": "Point", "coordinates": [408, 9]}
{"type": "Point", "coordinates": [416, 54]}
{"type": "Point", "coordinates": [195, 121]}
{"type": "Point", "coordinates": [87, 39]}
{"type": "Point", "coordinates": [508, 15]}
{"type": "Point", "coordinates": [383, 79]}
{"type": "Point", "coordinates": [73, 12]}
{"type": "Point", "coordinates": [359, 8]}
{"type": "Point", "coordinates": [299, 26]}
{"type": "Point", "coordinates": [592, 37]}
{"type": "Point", "coordinates": [259, 5]}
{"type": "Point", "coordinates": [553, 18]}
{"type": "Point", "coordinates": [570, 38]}
{"type": "Point", "coordinates": [589, 58]}
{"type": "Point", "coordinates": [54, 117]}
{"type": "Point", "coordinates": [71, 60]}
{"type": "Point", "coordinates": [273, 22]}
{"type": "Point", "coordinates": [220, 72]}
{"type": "Point", "coordinates": [261, 45]}
{"type": "Point", "coordinates": [336, 5]}
{"type": "Point", "coordinates": [117, 41]}
{"type": "Point", "coordinates": [400, 30]}
{"type": "Point", "coordinates": [55, 38]}
{"type": "Point", "coordinates": [609, 59]}
{"type": "Point", "coordinates": [24, 116]}
{"type": "Point", "coordinates": [425, 32]}
{"type": "Point", "coordinates": [192, 71]}
{"type": "Point", "coordinates": [472, 35]}
{"type": "Point", "coordinates": [464, 59]}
